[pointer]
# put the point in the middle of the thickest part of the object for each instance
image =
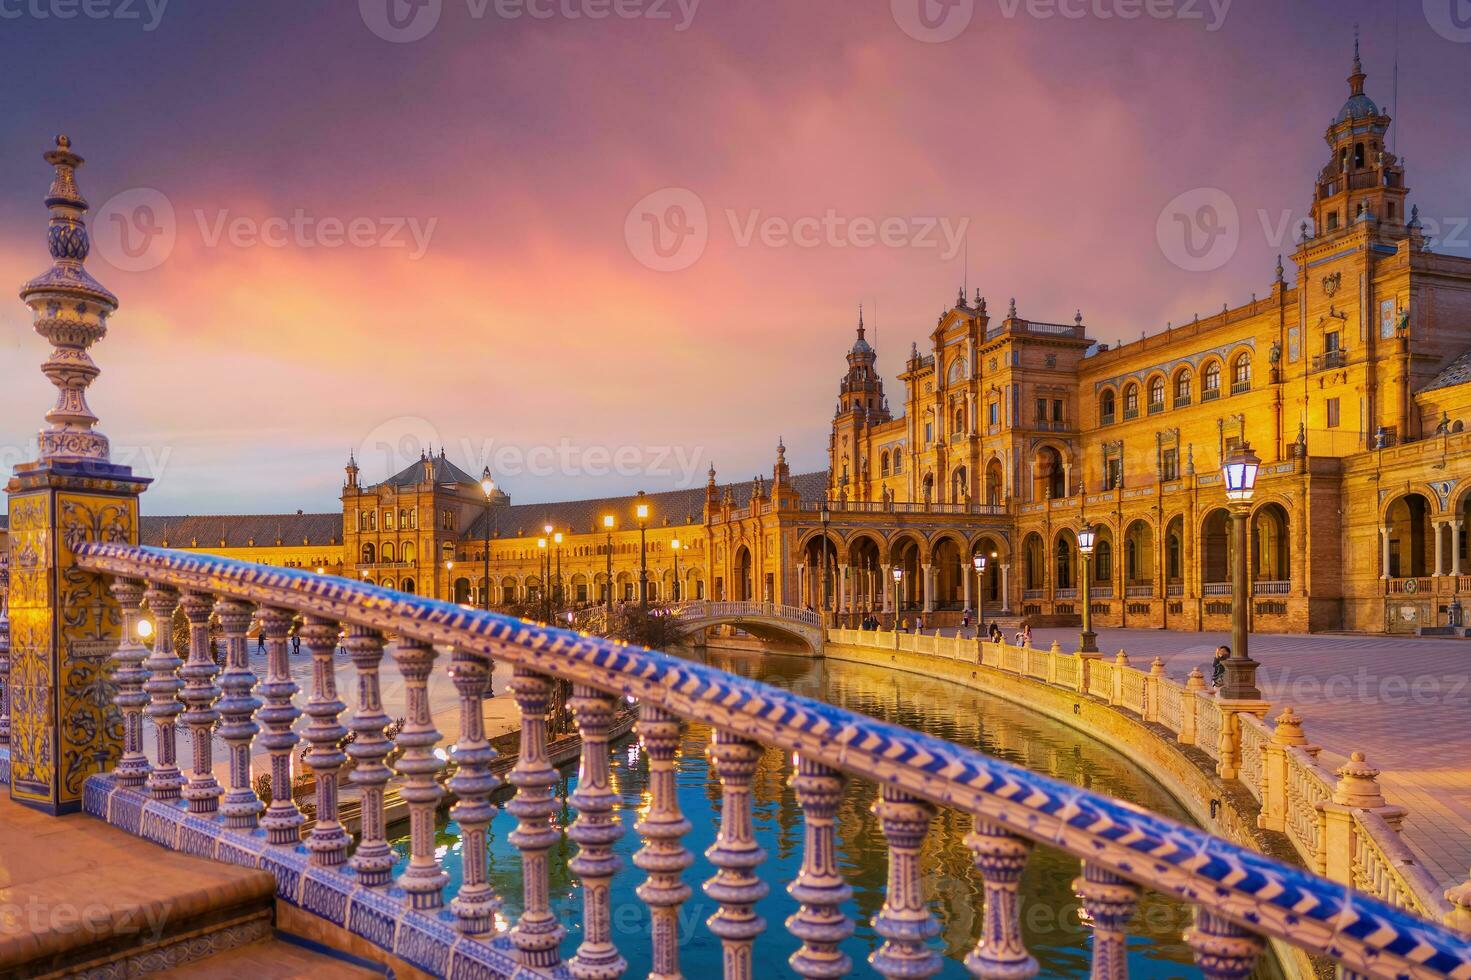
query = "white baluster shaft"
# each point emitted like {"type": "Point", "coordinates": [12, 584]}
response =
{"type": "Point", "coordinates": [282, 820]}
{"type": "Point", "coordinates": [1223, 949]}
{"type": "Point", "coordinates": [595, 831]}
{"type": "Point", "coordinates": [373, 858]}
{"type": "Point", "coordinates": [423, 879]}
{"type": "Point", "coordinates": [537, 933]}
{"type": "Point", "coordinates": [819, 887]}
{"type": "Point", "coordinates": [1109, 901]}
{"type": "Point", "coordinates": [476, 905]}
{"type": "Point", "coordinates": [736, 854]}
{"type": "Point", "coordinates": [129, 674]}
{"type": "Point", "coordinates": [662, 826]}
{"type": "Point", "coordinates": [200, 693]}
{"type": "Point", "coordinates": [328, 840]}
{"type": "Point", "coordinates": [1000, 856]}
{"type": "Point", "coordinates": [163, 687]}
{"type": "Point", "coordinates": [904, 921]}
{"type": "Point", "coordinates": [241, 807]}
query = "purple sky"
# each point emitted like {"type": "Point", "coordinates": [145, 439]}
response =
{"type": "Point", "coordinates": [327, 240]}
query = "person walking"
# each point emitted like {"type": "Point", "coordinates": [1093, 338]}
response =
{"type": "Point", "coordinates": [1218, 665]}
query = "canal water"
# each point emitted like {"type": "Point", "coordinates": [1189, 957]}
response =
{"type": "Point", "coordinates": [1054, 930]}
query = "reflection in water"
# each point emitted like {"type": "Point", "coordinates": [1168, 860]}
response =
{"type": "Point", "coordinates": [1054, 930]}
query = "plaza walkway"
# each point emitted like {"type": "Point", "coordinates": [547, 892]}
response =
{"type": "Point", "coordinates": [1403, 701]}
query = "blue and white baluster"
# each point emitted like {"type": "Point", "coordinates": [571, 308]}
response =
{"type": "Point", "coordinates": [537, 933]}
{"type": "Point", "coordinates": [423, 879]}
{"type": "Point", "coordinates": [476, 905]}
{"type": "Point", "coordinates": [1223, 949]}
{"type": "Point", "coordinates": [1110, 902]}
{"type": "Point", "coordinates": [200, 693]}
{"type": "Point", "coordinates": [328, 840]}
{"type": "Point", "coordinates": [595, 831]}
{"type": "Point", "coordinates": [819, 887]}
{"type": "Point", "coordinates": [904, 921]}
{"type": "Point", "coordinates": [373, 858]}
{"type": "Point", "coordinates": [129, 675]}
{"type": "Point", "coordinates": [736, 854]}
{"type": "Point", "coordinates": [282, 820]}
{"type": "Point", "coordinates": [163, 686]}
{"type": "Point", "coordinates": [662, 856]}
{"type": "Point", "coordinates": [240, 808]}
{"type": "Point", "coordinates": [1000, 856]}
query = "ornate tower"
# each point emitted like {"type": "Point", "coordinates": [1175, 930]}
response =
{"type": "Point", "coordinates": [861, 404]}
{"type": "Point", "coordinates": [65, 623]}
{"type": "Point", "coordinates": [1363, 181]}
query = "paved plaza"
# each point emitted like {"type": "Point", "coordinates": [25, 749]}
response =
{"type": "Point", "coordinates": [1403, 701]}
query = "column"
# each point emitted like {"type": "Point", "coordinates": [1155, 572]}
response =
{"type": "Point", "coordinates": [1456, 548]}
{"type": "Point", "coordinates": [967, 572]}
{"type": "Point", "coordinates": [1006, 589]}
{"type": "Point", "coordinates": [70, 495]}
{"type": "Point", "coordinates": [887, 587]}
{"type": "Point", "coordinates": [929, 588]}
{"type": "Point", "coordinates": [1439, 529]}
{"type": "Point", "coordinates": [843, 602]}
{"type": "Point", "coordinates": [1384, 551]}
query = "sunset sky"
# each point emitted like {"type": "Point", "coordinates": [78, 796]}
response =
{"type": "Point", "coordinates": [326, 236]}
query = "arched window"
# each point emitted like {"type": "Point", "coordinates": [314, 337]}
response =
{"type": "Point", "coordinates": [959, 420]}
{"type": "Point", "coordinates": [1103, 560]}
{"type": "Point", "coordinates": [368, 554]}
{"type": "Point", "coordinates": [1064, 564]}
{"type": "Point", "coordinates": [1131, 401]}
{"type": "Point", "coordinates": [1241, 374]}
{"type": "Point", "coordinates": [884, 463]}
{"type": "Point", "coordinates": [388, 551]}
{"type": "Point", "coordinates": [1107, 406]}
{"type": "Point", "coordinates": [898, 460]}
{"type": "Point", "coordinates": [1156, 394]}
{"type": "Point", "coordinates": [1210, 381]}
{"type": "Point", "coordinates": [1182, 389]}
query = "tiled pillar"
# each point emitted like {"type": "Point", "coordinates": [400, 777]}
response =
{"type": "Point", "coordinates": [60, 732]}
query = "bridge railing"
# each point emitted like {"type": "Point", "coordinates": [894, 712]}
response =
{"type": "Point", "coordinates": [709, 609]}
{"type": "Point", "coordinates": [1240, 896]}
{"type": "Point", "coordinates": [1336, 820]}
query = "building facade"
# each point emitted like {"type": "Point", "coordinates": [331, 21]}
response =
{"type": "Point", "coordinates": [1349, 375]}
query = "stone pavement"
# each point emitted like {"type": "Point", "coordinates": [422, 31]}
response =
{"type": "Point", "coordinates": [1404, 702]}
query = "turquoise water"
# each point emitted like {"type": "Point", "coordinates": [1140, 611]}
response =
{"type": "Point", "coordinates": [1054, 931]}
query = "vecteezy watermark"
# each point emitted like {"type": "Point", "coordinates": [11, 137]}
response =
{"type": "Point", "coordinates": [138, 229]}
{"type": "Point", "coordinates": [1451, 19]}
{"type": "Point", "coordinates": [399, 443]}
{"type": "Point", "coordinates": [147, 14]}
{"type": "Point", "coordinates": [1364, 686]}
{"type": "Point", "coordinates": [406, 21]}
{"type": "Point", "coordinates": [937, 21]}
{"type": "Point", "coordinates": [668, 230]}
{"type": "Point", "coordinates": [149, 461]}
{"type": "Point", "coordinates": [95, 919]}
{"type": "Point", "coordinates": [1199, 230]}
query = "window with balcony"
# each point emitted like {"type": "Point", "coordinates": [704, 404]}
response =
{"type": "Point", "coordinates": [1131, 402]}
{"type": "Point", "coordinates": [1182, 389]}
{"type": "Point", "coordinates": [1241, 374]}
{"type": "Point", "coordinates": [1106, 407]}
{"type": "Point", "coordinates": [1156, 395]}
{"type": "Point", "coordinates": [1210, 382]}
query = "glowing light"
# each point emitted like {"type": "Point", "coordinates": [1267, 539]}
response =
{"type": "Point", "coordinates": [145, 629]}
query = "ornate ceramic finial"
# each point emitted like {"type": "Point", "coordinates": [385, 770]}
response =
{"type": "Point", "coordinates": [1078, 317]}
{"type": "Point", "coordinates": [1281, 272]}
{"type": "Point", "coordinates": [979, 304]}
{"type": "Point", "coordinates": [960, 297]}
{"type": "Point", "coordinates": [70, 310]}
{"type": "Point", "coordinates": [1011, 311]}
{"type": "Point", "coordinates": [1356, 78]}
{"type": "Point", "coordinates": [781, 449]}
{"type": "Point", "coordinates": [1414, 216]}
{"type": "Point", "coordinates": [1302, 232]}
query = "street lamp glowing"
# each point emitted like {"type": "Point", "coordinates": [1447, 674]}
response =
{"type": "Point", "coordinates": [145, 629]}
{"type": "Point", "coordinates": [1239, 473]}
{"type": "Point", "coordinates": [1086, 536]}
{"type": "Point", "coordinates": [980, 562]}
{"type": "Point", "coordinates": [642, 512]}
{"type": "Point", "coordinates": [548, 529]}
{"type": "Point", "coordinates": [557, 538]}
{"type": "Point", "coordinates": [486, 483]}
{"type": "Point", "coordinates": [674, 544]}
{"type": "Point", "coordinates": [608, 522]}
{"type": "Point", "coordinates": [898, 574]}
{"type": "Point", "coordinates": [321, 570]}
{"type": "Point", "coordinates": [541, 543]}
{"type": "Point", "coordinates": [448, 565]}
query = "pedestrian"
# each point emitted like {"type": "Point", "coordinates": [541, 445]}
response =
{"type": "Point", "coordinates": [1218, 665]}
{"type": "Point", "coordinates": [965, 618]}
{"type": "Point", "coordinates": [295, 642]}
{"type": "Point", "coordinates": [904, 625]}
{"type": "Point", "coordinates": [919, 624]}
{"type": "Point", "coordinates": [260, 641]}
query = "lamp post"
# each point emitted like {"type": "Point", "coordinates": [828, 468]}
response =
{"type": "Point", "coordinates": [898, 578]}
{"type": "Point", "coordinates": [674, 546]}
{"type": "Point", "coordinates": [449, 585]}
{"type": "Point", "coordinates": [641, 511]}
{"type": "Point", "coordinates": [1238, 472]}
{"type": "Point", "coordinates": [1087, 640]}
{"type": "Point", "coordinates": [826, 514]}
{"type": "Point", "coordinates": [546, 573]}
{"type": "Point", "coordinates": [560, 596]}
{"type": "Point", "coordinates": [980, 562]}
{"type": "Point", "coordinates": [608, 524]}
{"type": "Point", "coordinates": [487, 485]}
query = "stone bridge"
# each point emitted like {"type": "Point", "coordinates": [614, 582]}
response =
{"type": "Point", "coordinates": [767, 620]}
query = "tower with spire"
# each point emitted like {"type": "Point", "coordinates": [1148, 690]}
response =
{"type": "Point", "coordinates": [861, 405]}
{"type": "Point", "coordinates": [1362, 183]}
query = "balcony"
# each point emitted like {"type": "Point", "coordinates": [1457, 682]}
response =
{"type": "Point", "coordinates": [1329, 360]}
{"type": "Point", "coordinates": [1108, 419]}
{"type": "Point", "coordinates": [1240, 387]}
{"type": "Point", "coordinates": [1131, 413]}
{"type": "Point", "coordinates": [1211, 589]}
{"type": "Point", "coordinates": [1139, 590]}
{"type": "Point", "coordinates": [1156, 407]}
{"type": "Point", "coordinates": [1271, 588]}
{"type": "Point", "coordinates": [1210, 394]}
